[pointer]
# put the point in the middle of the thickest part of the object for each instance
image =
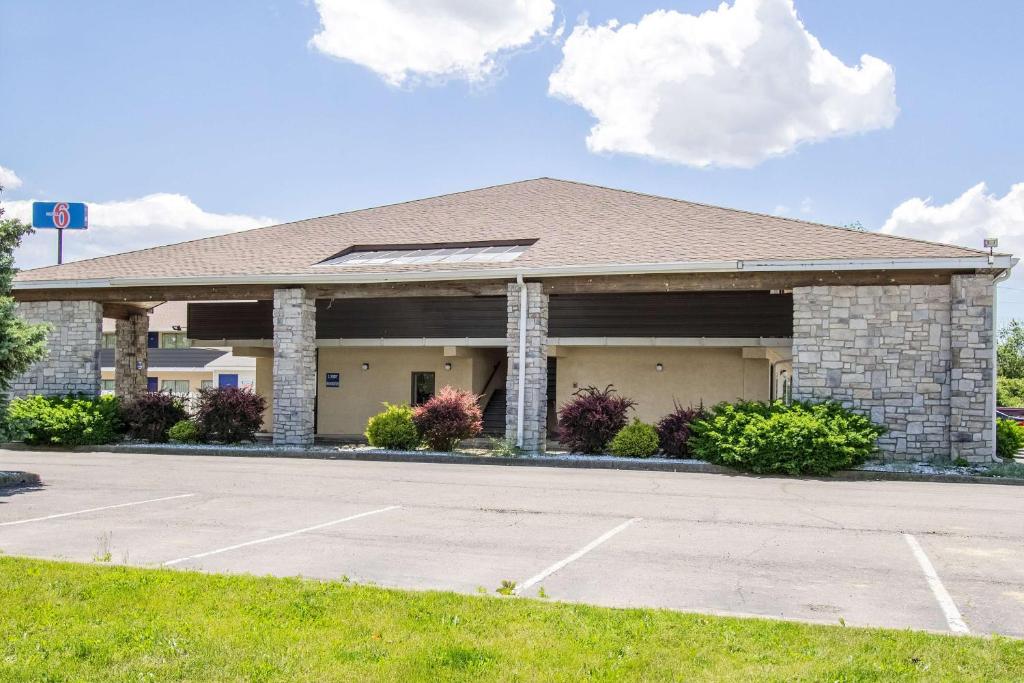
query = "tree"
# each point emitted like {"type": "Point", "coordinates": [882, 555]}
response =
{"type": "Point", "coordinates": [21, 344]}
{"type": "Point", "coordinates": [1010, 352]}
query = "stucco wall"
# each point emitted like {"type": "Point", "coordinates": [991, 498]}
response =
{"type": "Point", "coordinates": [691, 376]}
{"type": "Point", "coordinates": [344, 410]}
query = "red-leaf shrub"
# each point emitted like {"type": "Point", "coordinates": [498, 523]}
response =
{"type": "Point", "coordinates": [447, 418]}
{"type": "Point", "coordinates": [591, 419]}
{"type": "Point", "coordinates": [149, 415]}
{"type": "Point", "coordinates": [674, 430]}
{"type": "Point", "coordinates": [229, 414]}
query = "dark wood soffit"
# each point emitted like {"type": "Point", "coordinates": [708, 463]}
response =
{"type": "Point", "coordinates": [725, 282]}
{"type": "Point", "coordinates": [673, 282]}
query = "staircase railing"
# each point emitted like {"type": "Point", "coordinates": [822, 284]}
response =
{"type": "Point", "coordinates": [488, 391]}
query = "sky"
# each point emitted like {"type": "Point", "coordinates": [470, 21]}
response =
{"type": "Point", "coordinates": [186, 119]}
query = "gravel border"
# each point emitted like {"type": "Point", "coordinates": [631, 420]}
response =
{"type": "Point", "coordinates": [869, 472]}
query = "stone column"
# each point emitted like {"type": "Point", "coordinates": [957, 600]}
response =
{"type": "Point", "coordinates": [72, 363]}
{"type": "Point", "coordinates": [294, 367]}
{"type": "Point", "coordinates": [131, 355]}
{"type": "Point", "coordinates": [972, 375]}
{"type": "Point", "coordinates": [536, 363]}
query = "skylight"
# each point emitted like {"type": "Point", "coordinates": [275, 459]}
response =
{"type": "Point", "coordinates": [411, 255]}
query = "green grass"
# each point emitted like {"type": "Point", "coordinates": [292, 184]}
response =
{"type": "Point", "coordinates": [64, 621]}
{"type": "Point", "coordinates": [1007, 468]}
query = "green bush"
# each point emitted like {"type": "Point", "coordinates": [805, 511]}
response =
{"type": "Point", "coordinates": [635, 440]}
{"type": "Point", "coordinates": [800, 438]}
{"type": "Point", "coordinates": [184, 431]}
{"type": "Point", "coordinates": [1009, 437]}
{"type": "Point", "coordinates": [505, 448]}
{"type": "Point", "coordinates": [1010, 392]}
{"type": "Point", "coordinates": [393, 429]}
{"type": "Point", "coordinates": [72, 420]}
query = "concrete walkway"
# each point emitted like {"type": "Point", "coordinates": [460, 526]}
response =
{"type": "Point", "coordinates": [937, 556]}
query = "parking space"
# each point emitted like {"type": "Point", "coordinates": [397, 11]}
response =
{"type": "Point", "coordinates": [795, 549]}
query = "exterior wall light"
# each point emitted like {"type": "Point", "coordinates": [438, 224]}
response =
{"type": "Point", "coordinates": [366, 366]}
{"type": "Point", "coordinates": [448, 366]}
{"type": "Point", "coordinates": [659, 367]}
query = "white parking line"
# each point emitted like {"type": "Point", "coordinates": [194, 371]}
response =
{"type": "Point", "coordinates": [572, 558]}
{"type": "Point", "coordinates": [105, 507]}
{"type": "Point", "coordinates": [953, 618]}
{"type": "Point", "coordinates": [279, 536]}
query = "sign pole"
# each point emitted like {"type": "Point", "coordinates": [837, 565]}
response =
{"type": "Point", "coordinates": [60, 246]}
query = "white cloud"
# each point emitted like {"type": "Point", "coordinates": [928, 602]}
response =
{"type": "Point", "coordinates": [967, 220]}
{"type": "Point", "coordinates": [9, 180]}
{"type": "Point", "coordinates": [730, 87]}
{"type": "Point", "coordinates": [114, 227]}
{"type": "Point", "coordinates": [402, 39]}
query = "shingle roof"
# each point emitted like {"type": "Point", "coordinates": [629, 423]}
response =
{"type": "Point", "coordinates": [575, 224]}
{"type": "Point", "coordinates": [170, 358]}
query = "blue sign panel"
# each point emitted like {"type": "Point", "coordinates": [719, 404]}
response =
{"type": "Point", "coordinates": [62, 215]}
{"type": "Point", "coordinates": [333, 379]}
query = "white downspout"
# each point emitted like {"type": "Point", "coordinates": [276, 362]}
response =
{"type": "Point", "coordinates": [995, 345]}
{"type": "Point", "coordinates": [521, 396]}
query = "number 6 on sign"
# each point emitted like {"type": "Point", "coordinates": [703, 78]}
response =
{"type": "Point", "coordinates": [61, 216]}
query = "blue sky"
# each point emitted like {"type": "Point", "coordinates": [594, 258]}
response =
{"type": "Point", "coordinates": [228, 105]}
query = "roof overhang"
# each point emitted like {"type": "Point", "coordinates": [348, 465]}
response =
{"type": "Point", "coordinates": [1000, 262]}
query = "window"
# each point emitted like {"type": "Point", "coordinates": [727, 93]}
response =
{"type": "Point", "coordinates": [411, 254]}
{"type": "Point", "coordinates": [206, 384]}
{"type": "Point", "coordinates": [153, 340]}
{"type": "Point", "coordinates": [175, 386]}
{"type": "Point", "coordinates": [109, 340]}
{"type": "Point", "coordinates": [108, 385]}
{"type": "Point", "coordinates": [174, 340]}
{"type": "Point", "coordinates": [422, 387]}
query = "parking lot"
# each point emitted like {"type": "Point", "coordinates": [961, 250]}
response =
{"type": "Point", "coordinates": [941, 557]}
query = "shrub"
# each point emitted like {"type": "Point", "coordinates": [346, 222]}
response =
{"type": "Point", "coordinates": [674, 430]}
{"type": "Point", "coordinates": [635, 440]}
{"type": "Point", "coordinates": [393, 429]}
{"type": "Point", "coordinates": [1010, 392]}
{"type": "Point", "coordinates": [229, 414]}
{"type": "Point", "coordinates": [71, 420]}
{"type": "Point", "coordinates": [800, 438]}
{"type": "Point", "coordinates": [447, 418]}
{"type": "Point", "coordinates": [1009, 437]}
{"type": "Point", "coordinates": [591, 419]}
{"type": "Point", "coordinates": [505, 448]}
{"type": "Point", "coordinates": [150, 414]}
{"type": "Point", "coordinates": [184, 431]}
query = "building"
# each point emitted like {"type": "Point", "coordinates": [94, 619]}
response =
{"type": "Point", "coordinates": [175, 364]}
{"type": "Point", "coordinates": [527, 291]}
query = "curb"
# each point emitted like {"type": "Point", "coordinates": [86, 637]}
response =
{"type": "Point", "coordinates": [596, 462]}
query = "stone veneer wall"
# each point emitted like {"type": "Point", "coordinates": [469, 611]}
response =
{"type": "Point", "coordinates": [972, 375]}
{"type": "Point", "coordinates": [72, 363]}
{"type": "Point", "coordinates": [917, 358]}
{"type": "Point", "coordinates": [294, 367]}
{"type": "Point", "coordinates": [535, 414]}
{"type": "Point", "coordinates": [884, 350]}
{"type": "Point", "coordinates": [131, 355]}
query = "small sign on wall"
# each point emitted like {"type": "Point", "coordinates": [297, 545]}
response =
{"type": "Point", "coordinates": [332, 380]}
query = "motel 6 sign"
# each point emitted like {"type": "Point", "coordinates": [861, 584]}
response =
{"type": "Point", "coordinates": [61, 216]}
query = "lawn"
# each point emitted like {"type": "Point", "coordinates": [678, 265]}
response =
{"type": "Point", "coordinates": [64, 621]}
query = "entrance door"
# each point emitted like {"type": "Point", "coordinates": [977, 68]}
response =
{"type": "Point", "coordinates": [422, 387]}
{"type": "Point", "coordinates": [224, 381]}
